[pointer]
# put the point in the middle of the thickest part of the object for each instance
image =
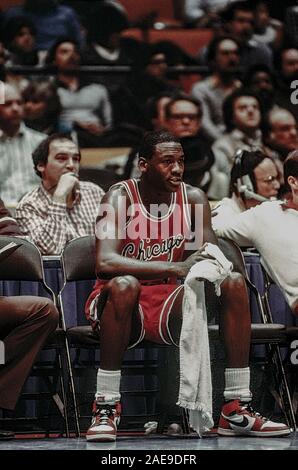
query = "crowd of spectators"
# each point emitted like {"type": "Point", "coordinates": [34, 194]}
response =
{"type": "Point", "coordinates": [242, 101]}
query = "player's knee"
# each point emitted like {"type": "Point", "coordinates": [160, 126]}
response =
{"type": "Point", "coordinates": [127, 286]}
{"type": "Point", "coordinates": [234, 284]}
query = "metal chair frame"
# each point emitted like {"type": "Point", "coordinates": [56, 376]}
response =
{"type": "Point", "coordinates": [272, 344]}
{"type": "Point", "coordinates": [25, 264]}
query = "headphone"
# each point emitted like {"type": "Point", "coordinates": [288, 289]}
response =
{"type": "Point", "coordinates": [244, 183]}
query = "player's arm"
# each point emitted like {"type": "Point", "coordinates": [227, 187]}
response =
{"type": "Point", "coordinates": [201, 226]}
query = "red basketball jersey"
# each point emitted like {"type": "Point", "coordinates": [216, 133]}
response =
{"type": "Point", "coordinates": [150, 236]}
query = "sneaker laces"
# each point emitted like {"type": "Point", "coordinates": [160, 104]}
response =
{"type": "Point", "coordinates": [250, 409]}
{"type": "Point", "coordinates": [105, 413]}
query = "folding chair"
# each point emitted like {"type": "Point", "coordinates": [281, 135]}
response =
{"type": "Point", "coordinates": [78, 262]}
{"type": "Point", "coordinates": [25, 264]}
{"type": "Point", "coordinates": [271, 334]}
{"type": "Point", "coordinates": [291, 332]}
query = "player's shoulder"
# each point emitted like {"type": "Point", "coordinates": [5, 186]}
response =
{"type": "Point", "coordinates": [195, 195]}
{"type": "Point", "coordinates": [115, 192]}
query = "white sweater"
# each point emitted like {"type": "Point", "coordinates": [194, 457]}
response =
{"type": "Point", "coordinates": [225, 211]}
{"type": "Point", "coordinates": [274, 233]}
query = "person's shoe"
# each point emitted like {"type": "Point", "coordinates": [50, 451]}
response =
{"type": "Point", "coordinates": [106, 418]}
{"type": "Point", "coordinates": [6, 435]}
{"type": "Point", "coordinates": [239, 419]}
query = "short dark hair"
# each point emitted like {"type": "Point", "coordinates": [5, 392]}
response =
{"type": "Point", "coordinates": [152, 102]}
{"type": "Point", "coordinates": [228, 106]}
{"type": "Point", "coordinates": [151, 139]}
{"type": "Point", "coordinates": [267, 121]}
{"type": "Point", "coordinates": [278, 55]}
{"type": "Point", "coordinates": [50, 57]}
{"type": "Point", "coordinates": [171, 103]}
{"type": "Point", "coordinates": [44, 90]}
{"type": "Point", "coordinates": [41, 153]}
{"type": "Point", "coordinates": [257, 68]}
{"type": "Point", "coordinates": [214, 43]}
{"type": "Point", "coordinates": [291, 166]}
{"type": "Point", "coordinates": [228, 14]}
{"type": "Point", "coordinates": [13, 27]}
{"type": "Point", "coordinates": [245, 165]}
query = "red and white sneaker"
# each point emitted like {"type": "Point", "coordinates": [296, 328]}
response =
{"type": "Point", "coordinates": [105, 419]}
{"type": "Point", "coordinates": [239, 419]}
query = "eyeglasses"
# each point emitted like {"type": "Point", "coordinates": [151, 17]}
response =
{"type": "Point", "coordinates": [180, 117]}
{"type": "Point", "coordinates": [269, 179]}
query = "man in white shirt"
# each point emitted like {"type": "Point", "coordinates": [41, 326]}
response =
{"type": "Point", "coordinates": [17, 142]}
{"type": "Point", "coordinates": [254, 178]}
{"type": "Point", "coordinates": [272, 228]}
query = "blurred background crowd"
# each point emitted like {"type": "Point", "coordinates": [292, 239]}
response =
{"type": "Point", "coordinates": [219, 74]}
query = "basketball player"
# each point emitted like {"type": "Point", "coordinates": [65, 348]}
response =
{"type": "Point", "coordinates": [137, 295]}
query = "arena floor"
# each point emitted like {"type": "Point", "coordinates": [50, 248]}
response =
{"type": "Point", "coordinates": [155, 442]}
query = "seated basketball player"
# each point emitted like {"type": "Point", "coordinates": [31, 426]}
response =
{"type": "Point", "coordinates": [137, 295]}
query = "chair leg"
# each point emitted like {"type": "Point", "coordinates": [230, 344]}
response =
{"type": "Point", "coordinates": [283, 386]}
{"type": "Point", "coordinates": [185, 422]}
{"type": "Point", "coordinates": [72, 388]}
{"type": "Point", "coordinates": [276, 360]}
{"type": "Point", "coordinates": [64, 397]}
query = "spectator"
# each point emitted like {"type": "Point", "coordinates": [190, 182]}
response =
{"type": "Point", "coordinates": [286, 65]}
{"type": "Point", "coordinates": [51, 21]}
{"type": "Point", "coordinates": [267, 30]}
{"type": "Point", "coordinates": [105, 46]}
{"type": "Point", "coordinates": [184, 120]}
{"type": "Point", "coordinates": [3, 59]}
{"type": "Point", "coordinates": [41, 106]}
{"type": "Point", "coordinates": [260, 80]}
{"type": "Point", "coordinates": [242, 118]}
{"type": "Point", "coordinates": [17, 142]}
{"type": "Point", "coordinates": [155, 114]}
{"type": "Point", "coordinates": [238, 19]}
{"type": "Point", "coordinates": [61, 207]}
{"type": "Point", "coordinates": [203, 13]}
{"type": "Point", "coordinates": [280, 133]}
{"type": "Point", "coordinates": [148, 79]}
{"type": "Point", "coordinates": [85, 106]}
{"type": "Point", "coordinates": [223, 56]}
{"type": "Point", "coordinates": [20, 37]}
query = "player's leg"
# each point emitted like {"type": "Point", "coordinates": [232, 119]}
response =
{"type": "Point", "coordinates": [119, 325]}
{"type": "Point", "coordinates": [237, 416]}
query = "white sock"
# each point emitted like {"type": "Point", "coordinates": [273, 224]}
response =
{"type": "Point", "coordinates": [108, 385]}
{"type": "Point", "coordinates": [237, 384]}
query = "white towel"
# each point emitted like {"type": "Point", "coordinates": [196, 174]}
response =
{"type": "Point", "coordinates": [195, 391]}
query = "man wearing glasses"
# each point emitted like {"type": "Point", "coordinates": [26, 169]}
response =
{"type": "Point", "coordinates": [272, 228]}
{"type": "Point", "coordinates": [254, 179]}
